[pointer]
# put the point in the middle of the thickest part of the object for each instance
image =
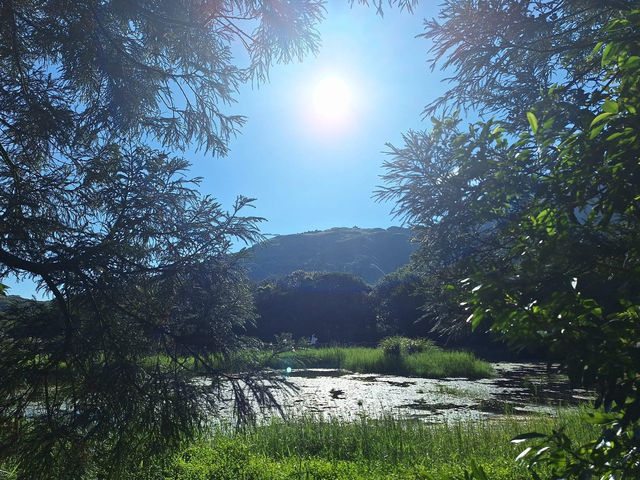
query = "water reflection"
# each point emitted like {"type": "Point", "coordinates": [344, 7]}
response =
{"type": "Point", "coordinates": [519, 388]}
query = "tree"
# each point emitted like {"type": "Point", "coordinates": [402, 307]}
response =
{"type": "Point", "coordinates": [95, 98]}
{"type": "Point", "coordinates": [537, 208]}
{"type": "Point", "coordinates": [398, 304]}
{"type": "Point", "coordinates": [333, 305]}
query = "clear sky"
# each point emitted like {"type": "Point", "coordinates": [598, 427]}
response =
{"type": "Point", "coordinates": [311, 150]}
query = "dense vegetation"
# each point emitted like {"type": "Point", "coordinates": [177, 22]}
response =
{"type": "Point", "coordinates": [395, 356]}
{"type": "Point", "coordinates": [341, 308]}
{"type": "Point", "coordinates": [97, 100]}
{"type": "Point", "coordinates": [529, 223]}
{"type": "Point", "coordinates": [334, 306]}
{"type": "Point", "coordinates": [368, 449]}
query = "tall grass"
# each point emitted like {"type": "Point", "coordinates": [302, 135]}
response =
{"type": "Point", "coordinates": [432, 362]}
{"type": "Point", "coordinates": [387, 448]}
{"type": "Point", "coordinates": [396, 356]}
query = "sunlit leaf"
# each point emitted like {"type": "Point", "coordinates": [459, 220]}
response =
{"type": "Point", "coordinates": [524, 453]}
{"type": "Point", "coordinates": [533, 122]}
{"type": "Point", "coordinates": [613, 136]}
{"type": "Point", "coordinates": [610, 107]}
{"type": "Point", "coordinates": [606, 54]}
{"type": "Point", "coordinates": [596, 131]}
{"type": "Point", "coordinates": [541, 452]}
{"type": "Point", "coordinates": [600, 117]}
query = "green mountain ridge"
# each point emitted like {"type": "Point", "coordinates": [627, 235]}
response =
{"type": "Point", "coordinates": [367, 252]}
{"type": "Point", "coordinates": [6, 302]}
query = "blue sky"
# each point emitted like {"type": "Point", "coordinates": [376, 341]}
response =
{"type": "Point", "coordinates": [305, 174]}
{"type": "Point", "coordinates": [311, 174]}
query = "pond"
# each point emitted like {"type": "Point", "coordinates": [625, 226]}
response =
{"type": "Point", "coordinates": [518, 389]}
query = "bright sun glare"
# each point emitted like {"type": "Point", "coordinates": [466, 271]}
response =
{"type": "Point", "coordinates": [332, 100]}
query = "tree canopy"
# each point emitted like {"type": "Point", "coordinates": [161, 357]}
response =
{"type": "Point", "coordinates": [98, 99]}
{"type": "Point", "coordinates": [333, 305]}
{"type": "Point", "coordinates": [398, 304]}
{"type": "Point", "coordinates": [532, 214]}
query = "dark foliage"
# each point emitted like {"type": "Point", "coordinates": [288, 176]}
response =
{"type": "Point", "coordinates": [334, 306]}
{"type": "Point", "coordinates": [95, 98]}
{"type": "Point", "coordinates": [398, 305]}
{"type": "Point", "coordinates": [531, 219]}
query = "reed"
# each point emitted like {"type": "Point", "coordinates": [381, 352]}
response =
{"type": "Point", "coordinates": [432, 363]}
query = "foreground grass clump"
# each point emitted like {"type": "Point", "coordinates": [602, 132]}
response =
{"type": "Point", "coordinates": [430, 361]}
{"type": "Point", "coordinates": [312, 448]}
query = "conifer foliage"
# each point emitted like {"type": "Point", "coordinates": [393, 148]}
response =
{"type": "Point", "coordinates": [97, 100]}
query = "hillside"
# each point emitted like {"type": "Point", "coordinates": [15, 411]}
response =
{"type": "Point", "coordinates": [14, 300]}
{"type": "Point", "coordinates": [367, 252]}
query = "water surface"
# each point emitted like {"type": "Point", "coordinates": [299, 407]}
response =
{"type": "Point", "coordinates": [518, 389]}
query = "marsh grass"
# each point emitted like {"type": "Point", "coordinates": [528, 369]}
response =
{"type": "Point", "coordinates": [386, 448]}
{"type": "Point", "coordinates": [422, 360]}
{"type": "Point", "coordinates": [431, 363]}
{"type": "Point", "coordinates": [454, 391]}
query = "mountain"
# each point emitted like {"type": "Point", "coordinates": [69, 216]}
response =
{"type": "Point", "coordinates": [6, 302]}
{"type": "Point", "coordinates": [367, 252]}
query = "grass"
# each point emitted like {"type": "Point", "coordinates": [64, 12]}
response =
{"type": "Point", "coordinates": [454, 391]}
{"type": "Point", "coordinates": [388, 448]}
{"type": "Point", "coordinates": [395, 356]}
{"type": "Point", "coordinates": [433, 362]}
{"type": "Point", "coordinates": [314, 448]}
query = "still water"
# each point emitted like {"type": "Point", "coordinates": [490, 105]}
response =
{"type": "Point", "coordinates": [517, 389]}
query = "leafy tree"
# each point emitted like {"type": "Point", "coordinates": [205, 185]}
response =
{"type": "Point", "coordinates": [95, 96]}
{"type": "Point", "coordinates": [333, 305]}
{"type": "Point", "coordinates": [536, 210]}
{"type": "Point", "coordinates": [398, 304]}
{"type": "Point", "coordinates": [416, 301]}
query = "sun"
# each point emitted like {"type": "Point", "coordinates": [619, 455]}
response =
{"type": "Point", "coordinates": [332, 100]}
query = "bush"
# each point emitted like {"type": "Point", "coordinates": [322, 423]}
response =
{"type": "Point", "coordinates": [397, 345]}
{"type": "Point", "coordinates": [391, 345]}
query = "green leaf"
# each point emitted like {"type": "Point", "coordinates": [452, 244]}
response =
{"type": "Point", "coordinates": [613, 136]}
{"type": "Point", "coordinates": [600, 117]}
{"type": "Point", "coordinates": [596, 48]}
{"type": "Point", "coordinates": [533, 122]}
{"type": "Point", "coordinates": [595, 131]}
{"type": "Point", "coordinates": [606, 54]}
{"type": "Point", "coordinates": [600, 418]}
{"type": "Point", "coordinates": [610, 106]}
{"type": "Point", "coordinates": [524, 453]}
{"type": "Point", "coordinates": [632, 63]}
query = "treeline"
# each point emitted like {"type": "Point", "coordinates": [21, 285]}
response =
{"type": "Point", "coordinates": [341, 308]}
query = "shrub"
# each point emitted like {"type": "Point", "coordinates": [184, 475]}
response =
{"type": "Point", "coordinates": [391, 345]}
{"type": "Point", "coordinates": [397, 345]}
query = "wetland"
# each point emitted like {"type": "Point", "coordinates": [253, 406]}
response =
{"type": "Point", "coordinates": [516, 389]}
